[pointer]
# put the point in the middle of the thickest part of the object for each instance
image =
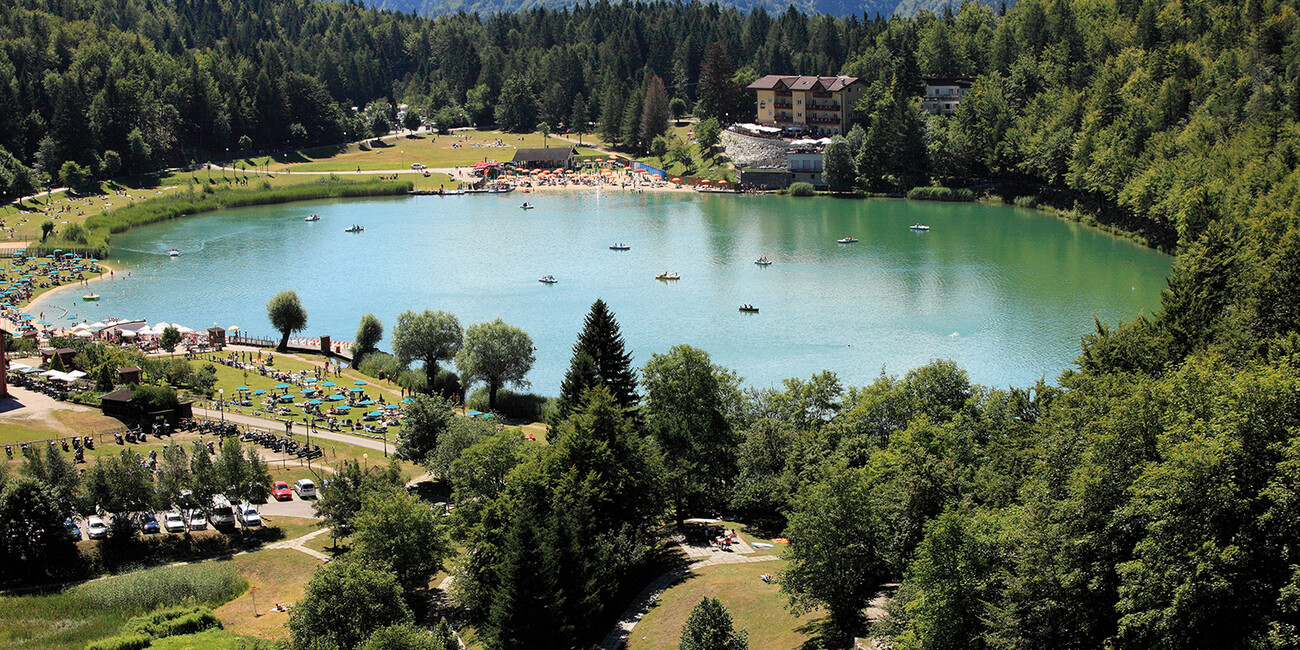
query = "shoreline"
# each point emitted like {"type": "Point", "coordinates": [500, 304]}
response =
{"type": "Point", "coordinates": [39, 300]}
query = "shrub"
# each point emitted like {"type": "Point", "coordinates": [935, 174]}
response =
{"type": "Point", "coordinates": [173, 621]}
{"type": "Point", "coordinates": [123, 642]}
{"type": "Point", "coordinates": [515, 406]}
{"type": "Point", "coordinates": [802, 189]}
{"type": "Point", "coordinates": [1030, 201]}
{"type": "Point", "coordinates": [379, 365]}
{"type": "Point", "coordinates": [940, 193]}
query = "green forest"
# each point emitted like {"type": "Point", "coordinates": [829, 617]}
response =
{"type": "Point", "coordinates": [1148, 498]}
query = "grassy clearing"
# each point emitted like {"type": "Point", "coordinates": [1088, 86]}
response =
{"type": "Point", "coordinates": [398, 152]}
{"type": "Point", "coordinates": [54, 424]}
{"type": "Point", "coordinates": [209, 640]}
{"type": "Point", "coordinates": [275, 576]}
{"type": "Point", "coordinates": [755, 605]}
{"type": "Point", "coordinates": [71, 618]}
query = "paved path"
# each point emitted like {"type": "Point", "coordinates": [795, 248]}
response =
{"type": "Point", "coordinates": [296, 544]}
{"type": "Point", "coordinates": [641, 605]}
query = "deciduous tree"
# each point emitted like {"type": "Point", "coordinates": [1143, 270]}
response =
{"type": "Point", "coordinates": [497, 354]}
{"type": "Point", "coordinates": [286, 313]}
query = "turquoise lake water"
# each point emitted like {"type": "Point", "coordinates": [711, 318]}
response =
{"type": "Point", "coordinates": [1004, 292]}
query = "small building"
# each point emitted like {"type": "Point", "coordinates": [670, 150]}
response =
{"type": "Point", "coordinates": [818, 105]}
{"type": "Point", "coordinates": [65, 355]}
{"type": "Point", "coordinates": [117, 404]}
{"type": "Point", "coordinates": [547, 158]}
{"type": "Point", "coordinates": [805, 163]}
{"type": "Point", "coordinates": [942, 96]}
{"type": "Point", "coordinates": [128, 375]}
{"type": "Point", "coordinates": [765, 179]}
{"type": "Point", "coordinates": [216, 337]}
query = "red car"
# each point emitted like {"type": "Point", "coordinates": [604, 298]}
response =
{"type": "Point", "coordinates": [280, 490]}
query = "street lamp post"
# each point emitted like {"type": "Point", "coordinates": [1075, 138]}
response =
{"type": "Point", "coordinates": [221, 406]}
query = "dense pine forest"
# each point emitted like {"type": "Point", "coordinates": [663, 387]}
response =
{"type": "Point", "coordinates": [1149, 499]}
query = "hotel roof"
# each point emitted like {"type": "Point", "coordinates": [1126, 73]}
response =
{"type": "Point", "coordinates": [791, 82]}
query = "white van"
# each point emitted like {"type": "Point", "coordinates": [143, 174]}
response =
{"type": "Point", "coordinates": [305, 488]}
{"type": "Point", "coordinates": [223, 515]}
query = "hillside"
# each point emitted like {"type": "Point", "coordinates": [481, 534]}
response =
{"type": "Point", "coordinates": [832, 7]}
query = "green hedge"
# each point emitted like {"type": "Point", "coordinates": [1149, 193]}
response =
{"type": "Point", "coordinates": [123, 642]}
{"type": "Point", "coordinates": [515, 406]}
{"type": "Point", "coordinates": [939, 193]}
{"type": "Point", "coordinates": [173, 621]}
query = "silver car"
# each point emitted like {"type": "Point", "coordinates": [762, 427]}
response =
{"type": "Point", "coordinates": [198, 521]}
{"type": "Point", "coordinates": [173, 522]}
{"type": "Point", "coordinates": [95, 528]}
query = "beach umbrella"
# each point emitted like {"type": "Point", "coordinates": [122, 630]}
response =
{"type": "Point", "coordinates": [358, 383]}
{"type": "Point", "coordinates": [286, 398]}
{"type": "Point", "coordinates": [374, 414]}
{"type": "Point", "coordinates": [356, 390]}
{"type": "Point", "coordinates": [259, 391]}
{"type": "Point", "coordinates": [41, 322]}
{"type": "Point", "coordinates": [337, 397]}
{"type": "Point", "coordinates": [328, 384]}
{"type": "Point", "coordinates": [281, 386]}
{"type": "Point", "coordinates": [473, 413]}
{"type": "Point", "coordinates": [232, 328]}
{"type": "Point", "coordinates": [242, 389]}
{"type": "Point", "coordinates": [307, 391]}
{"type": "Point", "coordinates": [312, 380]}
{"type": "Point", "coordinates": [315, 402]}
{"type": "Point", "coordinates": [343, 409]}
{"type": "Point", "coordinates": [72, 317]}
{"type": "Point", "coordinates": [365, 402]}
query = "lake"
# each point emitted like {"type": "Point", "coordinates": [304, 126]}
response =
{"type": "Point", "coordinates": [1005, 292]}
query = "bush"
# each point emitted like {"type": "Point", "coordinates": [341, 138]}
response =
{"type": "Point", "coordinates": [123, 642]}
{"type": "Point", "coordinates": [1030, 201]}
{"type": "Point", "coordinates": [173, 621]}
{"type": "Point", "coordinates": [380, 365]}
{"type": "Point", "coordinates": [939, 193]}
{"type": "Point", "coordinates": [515, 406]}
{"type": "Point", "coordinates": [802, 189]}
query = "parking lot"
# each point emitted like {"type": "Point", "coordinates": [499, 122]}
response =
{"type": "Point", "coordinates": [269, 511]}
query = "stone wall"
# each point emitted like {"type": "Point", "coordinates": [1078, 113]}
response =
{"type": "Point", "coordinates": [747, 151]}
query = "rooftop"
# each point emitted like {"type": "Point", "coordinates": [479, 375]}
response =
{"type": "Point", "coordinates": [793, 82]}
{"type": "Point", "coordinates": [550, 154]}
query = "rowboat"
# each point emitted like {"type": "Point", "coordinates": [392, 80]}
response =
{"type": "Point", "coordinates": [848, 240]}
{"type": "Point", "coordinates": [547, 279]}
{"type": "Point", "coordinates": [763, 261]}
{"type": "Point", "coordinates": [749, 309]}
{"type": "Point", "coordinates": [620, 247]}
{"type": "Point", "coordinates": [668, 276]}
{"type": "Point", "coordinates": [919, 226]}
{"type": "Point", "coordinates": [354, 229]}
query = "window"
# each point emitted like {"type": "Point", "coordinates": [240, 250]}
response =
{"type": "Point", "coordinates": [799, 102]}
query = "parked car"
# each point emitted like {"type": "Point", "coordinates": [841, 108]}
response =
{"type": "Point", "coordinates": [280, 490]}
{"type": "Point", "coordinates": [223, 514]}
{"type": "Point", "coordinates": [95, 528]}
{"type": "Point", "coordinates": [173, 522]}
{"type": "Point", "coordinates": [149, 523]}
{"type": "Point", "coordinates": [248, 515]}
{"type": "Point", "coordinates": [197, 522]}
{"type": "Point", "coordinates": [417, 166]}
{"type": "Point", "coordinates": [73, 530]}
{"type": "Point", "coordinates": [305, 488]}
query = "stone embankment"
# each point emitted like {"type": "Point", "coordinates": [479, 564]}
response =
{"type": "Point", "coordinates": [748, 151]}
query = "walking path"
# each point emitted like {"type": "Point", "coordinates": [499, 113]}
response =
{"type": "Point", "coordinates": [298, 427]}
{"type": "Point", "coordinates": [641, 605]}
{"type": "Point", "coordinates": [296, 544]}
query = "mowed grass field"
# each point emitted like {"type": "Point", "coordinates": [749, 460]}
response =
{"type": "Point", "coordinates": [399, 152]}
{"type": "Point", "coordinates": [755, 606]}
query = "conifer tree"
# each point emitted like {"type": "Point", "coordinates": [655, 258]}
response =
{"type": "Point", "coordinates": [602, 342]}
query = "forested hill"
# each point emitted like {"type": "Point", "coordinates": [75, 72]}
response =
{"type": "Point", "coordinates": [832, 7]}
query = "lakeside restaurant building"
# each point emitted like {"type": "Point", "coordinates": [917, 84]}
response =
{"type": "Point", "coordinates": [820, 105]}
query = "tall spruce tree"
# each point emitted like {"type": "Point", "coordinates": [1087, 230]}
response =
{"type": "Point", "coordinates": [602, 343]}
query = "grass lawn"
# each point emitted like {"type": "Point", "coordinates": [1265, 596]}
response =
{"type": "Point", "coordinates": [274, 576]}
{"type": "Point", "coordinates": [55, 424]}
{"type": "Point", "coordinates": [32, 267]}
{"type": "Point", "coordinates": [754, 605]}
{"type": "Point", "coordinates": [208, 640]}
{"type": "Point", "coordinates": [398, 152]}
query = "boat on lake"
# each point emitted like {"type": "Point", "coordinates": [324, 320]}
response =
{"type": "Point", "coordinates": [763, 261]}
{"type": "Point", "coordinates": [749, 309]}
{"type": "Point", "coordinates": [354, 229]}
{"type": "Point", "coordinates": [919, 226]}
{"type": "Point", "coordinates": [547, 279]}
{"type": "Point", "coordinates": [620, 247]}
{"type": "Point", "coordinates": [668, 276]}
{"type": "Point", "coordinates": [848, 240]}
{"type": "Point", "coordinates": [90, 297]}
{"type": "Point", "coordinates": [527, 206]}
{"type": "Point", "coordinates": [314, 217]}
{"type": "Point", "coordinates": [173, 253]}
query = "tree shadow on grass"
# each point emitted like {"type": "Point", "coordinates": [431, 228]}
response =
{"type": "Point", "coordinates": [822, 635]}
